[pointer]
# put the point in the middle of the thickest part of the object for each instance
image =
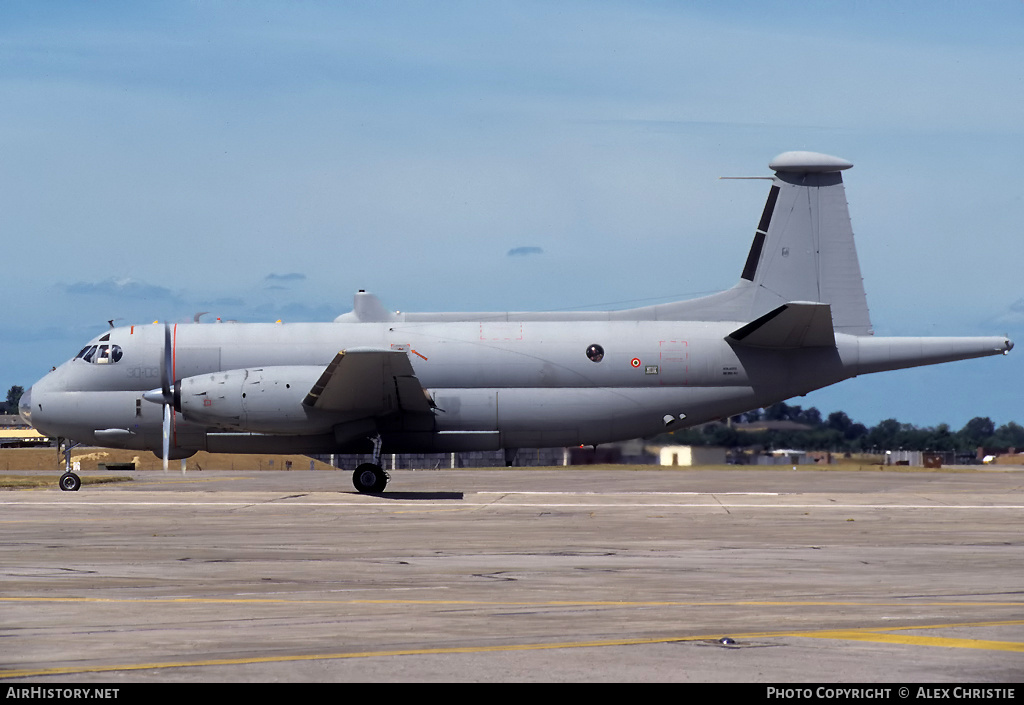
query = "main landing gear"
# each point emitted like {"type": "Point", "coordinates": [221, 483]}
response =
{"type": "Point", "coordinates": [370, 478]}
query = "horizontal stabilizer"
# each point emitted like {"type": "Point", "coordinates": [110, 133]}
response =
{"type": "Point", "coordinates": [364, 382]}
{"type": "Point", "coordinates": [798, 324]}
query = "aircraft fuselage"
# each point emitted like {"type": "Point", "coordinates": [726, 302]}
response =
{"type": "Point", "coordinates": [492, 383]}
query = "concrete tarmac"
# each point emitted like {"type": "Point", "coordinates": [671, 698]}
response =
{"type": "Point", "coordinates": [817, 576]}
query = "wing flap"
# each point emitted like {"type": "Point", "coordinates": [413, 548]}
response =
{"type": "Point", "coordinates": [368, 382]}
{"type": "Point", "coordinates": [797, 324]}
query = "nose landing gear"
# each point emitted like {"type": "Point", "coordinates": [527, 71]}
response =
{"type": "Point", "coordinates": [69, 481]}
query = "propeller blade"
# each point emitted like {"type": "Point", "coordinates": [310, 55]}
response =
{"type": "Point", "coordinates": [165, 367]}
{"type": "Point", "coordinates": [165, 392]}
{"type": "Point", "coordinates": [167, 434]}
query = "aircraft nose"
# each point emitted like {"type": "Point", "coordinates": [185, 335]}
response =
{"type": "Point", "coordinates": [25, 406]}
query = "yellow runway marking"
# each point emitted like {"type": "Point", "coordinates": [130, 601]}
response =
{"type": "Point", "coordinates": [884, 637]}
{"type": "Point", "coordinates": [877, 636]}
{"type": "Point", "coordinates": [336, 656]}
{"type": "Point", "coordinates": [912, 640]}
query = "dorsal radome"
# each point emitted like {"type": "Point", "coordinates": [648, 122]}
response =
{"type": "Point", "coordinates": [803, 162]}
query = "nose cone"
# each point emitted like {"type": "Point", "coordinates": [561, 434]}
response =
{"type": "Point", "coordinates": [25, 406]}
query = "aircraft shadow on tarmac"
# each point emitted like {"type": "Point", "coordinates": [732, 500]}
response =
{"type": "Point", "coordinates": [416, 495]}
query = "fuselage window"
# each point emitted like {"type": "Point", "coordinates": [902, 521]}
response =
{"type": "Point", "coordinates": [595, 353]}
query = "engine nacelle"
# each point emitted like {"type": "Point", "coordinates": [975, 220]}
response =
{"type": "Point", "coordinates": [257, 400]}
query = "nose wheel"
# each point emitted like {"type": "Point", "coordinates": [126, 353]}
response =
{"type": "Point", "coordinates": [70, 482]}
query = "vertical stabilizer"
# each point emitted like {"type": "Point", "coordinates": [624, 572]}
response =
{"type": "Point", "coordinates": [803, 248]}
{"type": "Point", "coordinates": [803, 251]}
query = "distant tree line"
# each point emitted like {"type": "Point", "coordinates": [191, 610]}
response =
{"type": "Point", "coordinates": [838, 433]}
{"type": "Point", "coordinates": [13, 397]}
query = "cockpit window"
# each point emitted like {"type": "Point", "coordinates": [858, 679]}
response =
{"type": "Point", "coordinates": [100, 354]}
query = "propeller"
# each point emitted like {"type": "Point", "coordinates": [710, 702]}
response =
{"type": "Point", "coordinates": [164, 395]}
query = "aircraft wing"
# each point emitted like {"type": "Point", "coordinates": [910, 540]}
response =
{"type": "Point", "coordinates": [798, 324]}
{"type": "Point", "coordinates": [369, 382]}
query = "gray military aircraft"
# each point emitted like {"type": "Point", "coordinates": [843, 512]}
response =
{"type": "Point", "coordinates": [796, 321]}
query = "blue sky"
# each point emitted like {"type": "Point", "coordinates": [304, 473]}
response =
{"type": "Point", "coordinates": [266, 160]}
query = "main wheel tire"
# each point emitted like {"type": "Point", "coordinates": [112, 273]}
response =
{"type": "Point", "coordinates": [370, 479]}
{"type": "Point", "coordinates": [70, 482]}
